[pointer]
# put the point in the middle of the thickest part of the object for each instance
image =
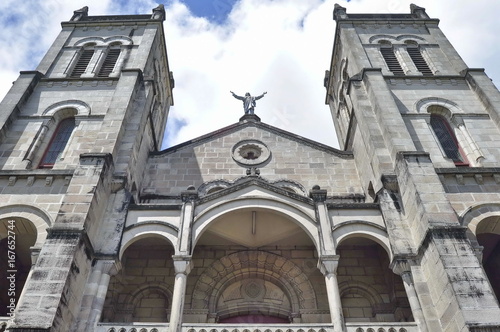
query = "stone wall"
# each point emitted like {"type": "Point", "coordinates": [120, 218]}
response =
{"type": "Point", "coordinates": [291, 158]}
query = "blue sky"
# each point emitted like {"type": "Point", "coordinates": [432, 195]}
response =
{"type": "Point", "coordinates": [214, 46]}
{"type": "Point", "coordinates": [216, 10]}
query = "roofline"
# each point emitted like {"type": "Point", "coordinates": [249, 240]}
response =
{"type": "Point", "coordinates": [243, 124]}
{"type": "Point", "coordinates": [81, 17]}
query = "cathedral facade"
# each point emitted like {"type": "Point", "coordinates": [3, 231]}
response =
{"type": "Point", "coordinates": [250, 228]}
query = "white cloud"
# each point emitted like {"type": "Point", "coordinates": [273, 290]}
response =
{"type": "Point", "coordinates": [279, 46]}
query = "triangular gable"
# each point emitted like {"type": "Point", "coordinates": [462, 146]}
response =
{"type": "Point", "coordinates": [254, 122]}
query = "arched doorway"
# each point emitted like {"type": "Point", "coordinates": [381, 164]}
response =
{"type": "Point", "coordinates": [142, 289]}
{"type": "Point", "coordinates": [259, 266]}
{"type": "Point", "coordinates": [370, 291]}
{"type": "Point", "coordinates": [17, 236]}
{"type": "Point", "coordinates": [488, 236]}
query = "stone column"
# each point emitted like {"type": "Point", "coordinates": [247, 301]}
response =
{"type": "Point", "coordinates": [182, 266]}
{"type": "Point", "coordinates": [37, 141]}
{"type": "Point", "coordinates": [402, 268]}
{"type": "Point", "coordinates": [104, 270]}
{"type": "Point", "coordinates": [88, 297]}
{"type": "Point", "coordinates": [328, 266]}
{"type": "Point", "coordinates": [319, 197]}
{"type": "Point", "coordinates": [476, 151]}
{"type": "Point", "coordinates": [189, 197]}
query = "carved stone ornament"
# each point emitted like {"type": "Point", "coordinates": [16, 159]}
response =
{"type": "Point", "coordinates": [250, 152]}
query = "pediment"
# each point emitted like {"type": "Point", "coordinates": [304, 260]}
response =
{"type": "Point", "coordinates": [260, 126]}
{"type": "Point", "coordinates": [247, 149]}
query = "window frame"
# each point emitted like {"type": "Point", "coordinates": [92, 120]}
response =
{"type": "Point", "coordinates": [89, 47]}
{"type": "Point", "coordinates": [416, 56]}
{"type": "Point", "coordinates": [113, 50]}
{"type": "Point", "coordinates": [391, 60]}
{"type": "Point", "coordinates": [452, 139]}
{"type": "Point", "coordinates": [43, 164]}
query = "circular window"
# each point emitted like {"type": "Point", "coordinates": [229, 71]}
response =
{"type": "Point", "coordinates": [250, 152]}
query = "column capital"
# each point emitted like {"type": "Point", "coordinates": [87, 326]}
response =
{"type": "Point", "coordinates": [318, 194]}
{"type": "Point", "coordinates": [108, 266]}
{"type": "Point", "coordinates": [189, 195]}
{"type": "Point", "coordinates": [327, 264]}
{"type": "Point", "coordinates": [400, 266]}
{"type": "Point", "coordinates": [182, 264]}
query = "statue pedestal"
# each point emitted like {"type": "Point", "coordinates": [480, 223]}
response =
{"type": "Point", "coordinates": [250, 117]}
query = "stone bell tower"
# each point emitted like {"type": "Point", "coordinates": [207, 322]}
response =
{"type": "Point", "coordinates": [75, 134]}
{"type": "Point", "coordinates": [424, 130]}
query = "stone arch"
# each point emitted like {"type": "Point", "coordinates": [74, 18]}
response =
{"type": "Point", "coordinates": [361, 288]}
{"type": "Point", "coordinates": [452, 114]}
{"type": "Point", "coordinates": [369, 289]}
{"type": "Point", "coordinates": [475, 214]}
{"type": "Point", "coordinates": [445, 107]}
{"type": "Point", "coordinates": [210, 186]}
{"type": "Point", "coordinates": [146, 229]}
{"type": "Point", "coordinates": [483, 230]}
{"type": "Point", "coordinates": [135, 299]}
{"type": "Point", "coordinates": [36, 216]}
{"type": "Point", "coordinates": [246, 288]}
{"type": "Point", "coordinates": [164, 289]}
{"type": "Point", "coordinates": [75, 107]}
{"type": "Point", "coordinates": [365, 229]}
{"type": "Point", "coordinates": [142, 289]}
{"type": "Point", "coordinates": [405, 38]}
{"type": "Point", "coordinates": [247, 263]}
{"type": "Point", "coordinates": [100, 41]}
{"type": "Point", "coordinates": [18, 235]}
{"type": "Point", "coordinates": [377, 38]}
{"type": "Point", "coordinates": [291, 185]}
{"type": "Point", "coordinates": [296, 213]}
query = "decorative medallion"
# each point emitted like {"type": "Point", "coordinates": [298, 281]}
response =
{"type": "Point", "coordinates": [250, 152]}
{"type": "Point", "coordinates": [253, 289]}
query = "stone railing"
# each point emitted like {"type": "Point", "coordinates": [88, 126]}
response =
{"type": "Point", "coordinates": [132, 327]}
{"type": "Point", "coordinates": [257, 328]}
{"type": "Point", "coordinates": [382, 327]}
{"type": "Point", "coordinates": [351, 327]}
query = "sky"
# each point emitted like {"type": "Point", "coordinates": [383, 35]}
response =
{"type": "Point", "coordinates": [282, 47]}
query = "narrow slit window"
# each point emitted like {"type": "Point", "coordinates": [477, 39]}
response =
{"type": "Point", "coordinates": [418, 60]}
{"type": "Point", "coordinates": [447, 140]}
{"type": "Point", "coordinates": [391, 60]}
{"type": "Point", "coordinates": [58, 143]}
{"type": "Point", "coordinates": [82, 63]}
{"type": "Point", "coordinates": [109, 62]}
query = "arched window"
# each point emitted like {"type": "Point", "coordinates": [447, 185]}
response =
{"type": "Point", "coordinates": [417, 58]}
{"type": "Point", "coordinates": [390, 58]}
{"type": "Point", "coordinates": [110, 61]}
{"type": "Point", "coordinates": [58, 143]}
{"type": "Point", "coordinates": [447, 140]}
{"type": "Point", "coordinates": [83, 61]}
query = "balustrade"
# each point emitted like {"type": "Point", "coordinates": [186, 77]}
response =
{"type": "Point", "coordinates": [350, 327]}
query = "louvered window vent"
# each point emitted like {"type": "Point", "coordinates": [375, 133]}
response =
{"type": "Point", "coordinates": [109, 63]}
{"type": "Point", "coordinates": [82, 63]}
{"type": "Point", "coordinates": [391, 60]}
{"type": "Point", "coordinates": [419, 61]}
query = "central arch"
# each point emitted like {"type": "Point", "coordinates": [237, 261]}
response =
{"type": "Point", "coordinates": [256, 268]}
{"type": "Point", "coordinates": [300, 214]}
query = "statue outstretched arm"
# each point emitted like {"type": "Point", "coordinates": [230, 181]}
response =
{"type": "Point", "coordinates": [236, 96]}
{"type": "Point", "coordinates": [262, 95]}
